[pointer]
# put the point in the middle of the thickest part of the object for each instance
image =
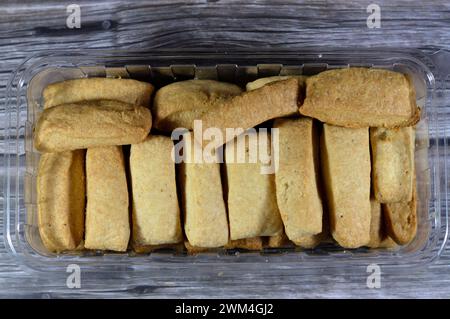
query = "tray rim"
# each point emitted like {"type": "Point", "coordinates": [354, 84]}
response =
{"type": "Point", "coordinates": [25, 69]}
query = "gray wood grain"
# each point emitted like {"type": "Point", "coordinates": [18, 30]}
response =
{"type": "Point", "coordinates": [33, 26]}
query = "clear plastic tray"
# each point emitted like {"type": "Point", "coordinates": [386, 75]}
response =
{"type": "Point", "coordinates": [428, 69]}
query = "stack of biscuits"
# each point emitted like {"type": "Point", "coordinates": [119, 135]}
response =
{"type": "Point", "coordinates": [108, 178]}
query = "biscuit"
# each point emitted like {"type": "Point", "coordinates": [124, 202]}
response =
{"type": "Point", "coordinates": [177, 105]}
{"type": "Point", "coordinates": [79, 90]}
{"type": "Point", "coordinates": [361, 97]}
{"type": "Point", "coordinates": [193, 250]}
{"type": "Point", "coordinates": [91, 124]}
{"type": "Point", "coordinates": [345, 158]}
{"type": "Point", "coordinates": [145, 249]}
{"type": "Point", "coordinates": [263, 81]}
{"type": "Point", "coordinates": [392, 163]}
{"type": "Point", "coordinates": [278, 241]}
{"type": "Point", "coordinates": [297, 177]}
{"type": "Point", "coordinates": [155, 210]}
{"type": "Point", "coordinates": [107, 218]}
{"type": "Point", "coordinates": [251, 108]}
{"type": "Point", "coordinates": [309, 241]}
{"type": "Point", "coordinates": [61, 200]}
{"type": "Point", "coordinates": [378, 233]}
{"type": "Point", "coordinates": [255, 243]}
{"type": "Point", "coordinates": [205, 215]}
{"type": "Point", "coordinates": [252, 203]}
{"type": "Point", "coordinates": [401, 219]}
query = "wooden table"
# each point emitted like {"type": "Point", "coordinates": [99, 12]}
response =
{"type": "Point", "coordinates": [28, 27]}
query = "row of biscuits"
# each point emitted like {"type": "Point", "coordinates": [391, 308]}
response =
{"type": "Point", "coordinates": [263, 211]}
{"type": "Point", "coordinates": [348, 98]}
{"type": "Point", "coordinates": [155, 210]}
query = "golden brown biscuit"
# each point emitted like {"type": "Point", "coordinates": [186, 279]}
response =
{"type": "Point", "coordinates": [345, 160]}
{"type": "Point", "coordinates": [255, 243]}
{"type": "Point", "coordinates": [107, 218]}
{"type": "Point", "coordinates": [263, 81]}
{"type": "Point", "coordinates": [252, 203]}
{"type": "Point", "coordinates": [205, 215]}
{"type": "Point", "coordinates": [278, 241]}
{"type": "Point", "coordinates": [91, 124]}
{"type": "Point", "coordinates": [309, 241]}
{"type": "Point", "coordinates": [61, 200]}
{"type": "Point", "coordinates": [360, 97]}
{"type": "Point", "coordinates": [401, 219]}
{"type": "Point", "coordinates": [378, 234]}
{"type": "Point", "coordinates": [180, 103]}
{"type": "Point", "coordinates": [79, 90]}
{"type": "Point", "coordinates": [193, 250]}
{"type": "Point", "coordinates": [297, 177]}
{"type": "Point", "coordinates": [392, 163]}
{"type": "Point", "coordinates": [251, 108]}
{"type": "Point", "coordinates": [155, 210]}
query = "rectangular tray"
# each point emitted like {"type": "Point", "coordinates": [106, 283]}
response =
{"type": "Point", "coordinates": [428, 69]}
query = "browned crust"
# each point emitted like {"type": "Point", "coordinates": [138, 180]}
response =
{"type": "Point", "coordinates": [361, 97]}
{"type": "Point", "coordinates": [264, 81]}
{"type": "Point", "coordinates": [278, 241]}
{"type": "Point", "coordinates": [276, 99]}
{"type": "Point", "coordinates": [78, 90]}
{"type": "Point", "coordinates": [378, 232]}
{"type": "Point", "coordinates": [254, 243]}
{"type": "Point", "coordinates": [196, 250]}
{"type": "Point", "coordinates": [91, 124]}
{"type": "Point", "coordinates": [61, 189]}
{"type": "Point", "coordinates": [401, 219]}
{"type": "Point", "coordinates": [179, 104]}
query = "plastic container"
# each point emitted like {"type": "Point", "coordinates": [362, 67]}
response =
{"type": "Point", "coordinates": [428, 69]}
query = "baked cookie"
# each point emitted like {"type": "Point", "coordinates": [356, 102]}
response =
{"type": "Point", "coordinates": [61, 200]}
{"type": "Point", "coordinates": [107, 217]}
{"type": "Point", "coordinates": [346, 168]}
{"type": "Point", "coordinates": [361, 97]}
{"type": "Point", "coordinates": [252, 203]}
{"type": "Point", "coordinates": [79, 90]}
{"type": "Point", "coordinates": [392, 163]}
{"type": "Point", "coordinates": [155, 210]}
{"type": "Point", "coordinates": [177, 105]}
{"type": "Point", "coordinates": [91, 124]}
{"type": "Point", "coordinates": [251, 108]}
{"type": "Point", "coordinates": [205, 215]}
{"type": "Point", "coordinates": [297, 177]}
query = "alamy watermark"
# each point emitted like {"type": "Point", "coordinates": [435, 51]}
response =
{"type": "Point", "coordinates": [374, 277]}
{"type": "Point", "coordinates": [73, 20]}
{"type": "Point", "coordinates": [244, 146]}
{"type": "Point", "coordinates": [74, 278]}
{"type": "Point", "coordinates": [374, 19]}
